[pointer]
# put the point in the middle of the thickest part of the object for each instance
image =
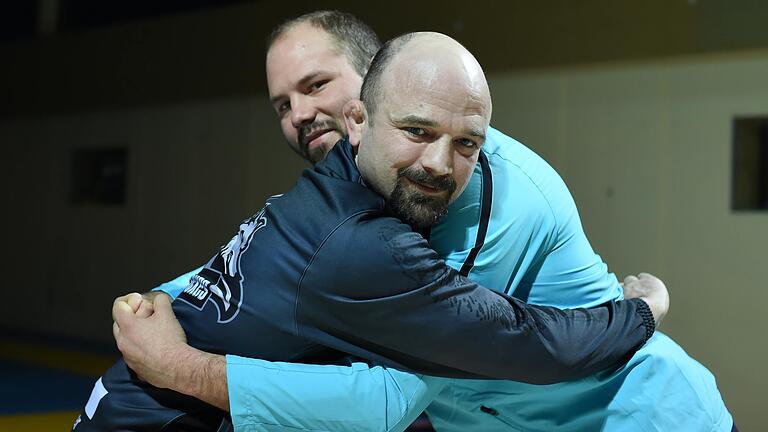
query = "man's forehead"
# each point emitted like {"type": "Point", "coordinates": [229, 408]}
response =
{"type": "Point", "coordinates": [427, 92]}
{"type": "Point", "coordinates": [406, 96]}
{"type": "Point", "coordinates": [302, 42]}
{"type": "Point", "coordinates": [296, 62]}
{"type": "Point", "coordinates": [471, 122]}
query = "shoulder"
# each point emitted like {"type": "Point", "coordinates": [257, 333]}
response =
{"type": "Point", "coordinates": [525, 181]}
{"type": "Point", "coordinates": [372, 254]}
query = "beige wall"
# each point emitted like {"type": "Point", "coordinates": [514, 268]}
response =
{"type": "Point", "coordinates": [194, 171]}
{"type": "Point", "coordinates": [646, 151]}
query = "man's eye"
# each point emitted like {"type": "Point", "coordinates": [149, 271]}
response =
{"type": "Point", "coordinates": [468, 143]}
{"type": "Point", "coordinates": [317, 85]}
{"type": "Point", "coordinates": [415, 131]}
{"type": "Point", "coordinates": [283, 107]}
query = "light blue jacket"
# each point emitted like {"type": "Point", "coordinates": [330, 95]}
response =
{"type": "Point", "coordinates": [535, 249]}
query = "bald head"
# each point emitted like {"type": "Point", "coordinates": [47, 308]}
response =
{"type": "Point", "coordinates": [420, 124]}
{"type": "Point", "coordinates": [423, 59]}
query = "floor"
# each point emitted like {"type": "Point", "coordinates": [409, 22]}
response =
{"type": "Point", "coordinates": [44, 385]}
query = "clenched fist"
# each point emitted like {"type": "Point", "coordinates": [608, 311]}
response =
{"type": "Point", "coordinates": [650, 289]}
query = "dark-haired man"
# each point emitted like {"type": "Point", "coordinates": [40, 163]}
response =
{"type": "Point", "coordinates": [329, 56]}
{"type": "Point", "coordinates": [535, 250]}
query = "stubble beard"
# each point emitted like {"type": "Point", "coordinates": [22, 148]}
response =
{"type": "Point", "coordinates": [318, 153]}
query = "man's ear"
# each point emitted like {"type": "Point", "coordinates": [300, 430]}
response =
{"type": "Point", "coordinates": [355, 118]}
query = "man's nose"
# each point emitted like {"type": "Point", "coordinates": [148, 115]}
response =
{"type": "Point", "coordinates": [437, 158]}
{"type": "Point", "coordinates": [303, 112]}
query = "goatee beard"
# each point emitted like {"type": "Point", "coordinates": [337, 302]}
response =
{"type": "Point", "coordinates": [415, 208]}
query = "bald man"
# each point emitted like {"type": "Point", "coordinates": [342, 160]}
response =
{"type": "Point", "coordinates": [354, 278]}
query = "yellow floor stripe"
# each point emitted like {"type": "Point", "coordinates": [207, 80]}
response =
{"type": "Point", "coordinates": [57, 358]}
{"type": "Point", "coordinates": [59, 421]}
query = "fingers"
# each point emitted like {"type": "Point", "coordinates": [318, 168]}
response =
{"type": "Point", "coordinates": [140, 304]}
{"type": "Point", "coordinates": [151, 295]}
{"type": "Point", "coordinates": [134, 300]}
{"type": "Point", "coordinates": [115, 330]}
{"type": "Point", "coordinates": [649, 278]}
{"type": "Point", "coordinates": [629, 284]}
{"type": "Point", "coordinates": [121, 311]}
{"type": "Point", "coordinates": [163, 304]}
{"type": "Point", "coordinates": [145, 309]}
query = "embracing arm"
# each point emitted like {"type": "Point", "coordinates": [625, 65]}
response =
{"type": "Point", "coordinates": [326, 398]}
{"type": "Point", "coordinates": [261, 392]}
{"type": "Point", "coordinates": [267, 394]}
{"type": "Point", "coordinates": [397, 303]}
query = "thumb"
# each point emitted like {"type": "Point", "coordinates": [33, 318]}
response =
{"type": "Point", "coordinates": [163, 304]}
{"type": "Point", "coordinates": [134, 301]}
{"type": "Point", "coordinates": [121, 312]}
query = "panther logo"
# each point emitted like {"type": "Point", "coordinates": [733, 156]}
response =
{"type": "Point", "coordinates": [221, 281]}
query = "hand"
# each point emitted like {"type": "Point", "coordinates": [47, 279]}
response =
{"type": "Point", "coordinates": [650, 289]}
{"type": "Point", "coordinates": [141, 304]}
{"type": "Point", "coordinates": [149, 337]}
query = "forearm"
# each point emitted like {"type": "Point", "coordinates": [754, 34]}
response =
{"type": "Point", "coordinates": [201, 375]}
{"type": "Point", "coordinates": [458, 329]}
{"type": "Point", "coordinates": [410, 311]}
{"type": "Point", "coordinates": [306, 397]}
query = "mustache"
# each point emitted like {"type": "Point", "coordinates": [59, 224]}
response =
{"type": "Point", "coordinates": [443, 183]}
{"type": "Point", "coordinates": [307, 130]}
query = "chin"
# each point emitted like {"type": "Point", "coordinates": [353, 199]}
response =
{"type": "Point", "coordinates": [327, 146]}
{"type": "Point", "coordinates": [318, 153]}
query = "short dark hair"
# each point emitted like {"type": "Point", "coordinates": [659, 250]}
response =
{"type": "Point", "coordinates": [371, 93]}
{"type": "Point", "coordinates": [353, 37]}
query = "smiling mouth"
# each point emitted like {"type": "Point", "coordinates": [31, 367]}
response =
{"type": "Point", "coordinates": [427, 188]}
{"type": "Point", "coordinates": [314, 135]}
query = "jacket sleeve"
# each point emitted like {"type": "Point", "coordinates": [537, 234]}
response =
{"type": "Point", "coordinates": [175, 287]}
{"type": "Point", "coordinates": [357, 398]}
{"type": "Point", "coordinates": [375, 290]}
{"type": "Point", "coordinates": [267, 395]}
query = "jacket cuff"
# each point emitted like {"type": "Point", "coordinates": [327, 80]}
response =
{"type": "Point", "coordinates": [645, 313]}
